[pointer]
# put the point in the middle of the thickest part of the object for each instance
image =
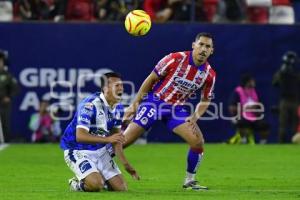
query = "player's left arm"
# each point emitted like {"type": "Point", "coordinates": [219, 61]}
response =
{"type": "Point", "coordinates": [206, 96]}
{"type": "Point", "coordinates": [118, 149]}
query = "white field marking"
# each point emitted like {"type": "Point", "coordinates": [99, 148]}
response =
{"type": "Point", "coordinates": [3, 146]}
{"type": "Point", "coordinates": [253, 190]}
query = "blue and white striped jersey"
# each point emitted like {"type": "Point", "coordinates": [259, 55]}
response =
{"type": "Point", "coordinates": [95, 115]}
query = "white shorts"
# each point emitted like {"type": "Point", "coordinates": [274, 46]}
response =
{"type": "Point", "coordinates": [85, 162]}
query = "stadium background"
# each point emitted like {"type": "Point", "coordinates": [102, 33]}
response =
{"type": "Point", "coordinates": [38, 49]}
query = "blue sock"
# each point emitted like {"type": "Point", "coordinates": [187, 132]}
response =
{"type": "Point", "coordinates": [193, 160]}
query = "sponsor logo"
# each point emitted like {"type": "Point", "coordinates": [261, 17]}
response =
{"type": "Point", "coordinates": [83, 119]}
{"type": "Point", "coordinates": [84, 166]}
{"type": "Point", "coordinates": [185, 83]}
{"type": "Point", "coordinates": [86, 111]}
{"type": "Point", "coordinates": [100, 113]}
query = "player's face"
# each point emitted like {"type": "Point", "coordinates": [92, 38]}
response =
{"type": "Point", "coordinates": [115, 89]}
{"type": "Point", "coordinates": [202, 49]}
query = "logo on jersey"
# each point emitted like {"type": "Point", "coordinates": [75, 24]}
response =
{"type": "Point", "coordinates": [100, 113]}
{"type": "Point", "coordinates": [144, 120]}
{"type": "Point", "coordinates": [88, 106]}
{"type": "Point", "coordinates": [83, 119]}
{"type": "Point", "coordinates": [184, 83]}
{"type": "Point", "coordinates": [86, 112]}
{"type": "Point", "coordinates": [84, 166]}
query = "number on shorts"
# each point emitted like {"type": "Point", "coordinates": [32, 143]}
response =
{"type": "Point", "coordinates": [140, 114]}
{"type": "Point", "coordinates": [151, 112]}
{"type": "Point", "coordinates": [112, 164]}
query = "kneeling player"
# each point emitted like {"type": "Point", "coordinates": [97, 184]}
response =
{"type": "Point", "coordinates": [85, 142]}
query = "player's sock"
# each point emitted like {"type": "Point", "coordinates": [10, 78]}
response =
{"type": "Point", "coordinates": [193, 163]}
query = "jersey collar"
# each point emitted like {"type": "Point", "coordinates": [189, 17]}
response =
{"type": "Point", "coordinates": [103, 99]}
{"type": "Point", "coordinates": [191, 62]}
{"type": "Point", "coordinates": [105, 102]}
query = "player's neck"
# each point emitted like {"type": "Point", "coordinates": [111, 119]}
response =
{"type": "Point", "coordinates": [109, 101]}
{"type": "Point", "coordinates": [197, 62]}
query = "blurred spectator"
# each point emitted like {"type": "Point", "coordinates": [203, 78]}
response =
{"type": "Point", "coordinates": [287, 79]}
{"type": "Point", "coordinates": [122, 7]}
{"type": "Point", "coordinates": [75, 10]}
{"type": "Point", "coordinates": [115, 10]}
{"type": "Point", "coordinates": [102, 9]}
{"type": "Point", "coordinates": [230, 11]}
{"type": "Point", "coordinates": [206, 10]}
{"type": "Point", "coordinates": [296, 6]}
{"type": "Point", "coordinates": [6, 10]}
{"type": "Point", "coordinates": [8, 88]}
{"type": "Point", "coordinates": [281, 12]}
{"type": "Point", "coordinates": [158, 10]}
{"type": "Point", "coordinates": [247, 122]}
{"type": "Point", "coordinates": [181, 10]}
{"type": "Point", "coordinates": [258, 11]}
{"type": "Point", "coordinates": [44, 127]}
{"type": "Point", "coordinates": [35, 9]}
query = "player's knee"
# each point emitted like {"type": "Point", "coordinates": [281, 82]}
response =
{"type": "Point", "coordinates": [93, 185]}
{"type": "Point", "coordinates": [122, 188]}
{"type": "Point", "coordinates": [197, 143]}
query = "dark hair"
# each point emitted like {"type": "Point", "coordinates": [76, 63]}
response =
{"type": "Point", "coordinates": [204, 34]}
{"type": "Point", "coordinates": [104, 78]}
{"type": "Point", "coordinates": [245, 79]}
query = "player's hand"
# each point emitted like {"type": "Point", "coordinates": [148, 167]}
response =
{"type": "Point", "coordinates": [116, 138]}
{"type": "Point", "coordinates": [192, 120]}
{"type": "Point", "coordinates": [132, 171]}
{"type": "Point", "coordinates": [129, 113]}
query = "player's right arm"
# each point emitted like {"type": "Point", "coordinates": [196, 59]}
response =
{"type": "Point", "coordinates": [144, 89]}
{"type": "Point", "coordinates": [83, 136]}
{"type": "Point", "coordinates": [159, 72]}
{"type": "Point", "coordinates": [87, 112]}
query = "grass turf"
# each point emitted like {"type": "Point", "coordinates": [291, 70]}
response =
{"type": "Point", "coordinates": [32, 171]}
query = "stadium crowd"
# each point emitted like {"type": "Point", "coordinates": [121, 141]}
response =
{"type": "Point", "coordinates": [209, 11]}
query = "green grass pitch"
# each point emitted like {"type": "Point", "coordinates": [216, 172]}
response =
{"type": "Point", "coordinates": [30, 172]}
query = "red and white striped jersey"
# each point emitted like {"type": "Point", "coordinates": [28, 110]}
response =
{"type": "Point", "coordinates": [180, 78]}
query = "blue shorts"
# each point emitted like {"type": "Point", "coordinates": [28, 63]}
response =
{"type": "Point", "coordinates": [152, 109]}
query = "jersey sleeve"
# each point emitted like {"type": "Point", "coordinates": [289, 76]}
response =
{"type": "Point", "coordinates": [163, 65]}
{"type": "Point", "coordinates": [85, 114]}
{"type": "Point", "coordinates": [209, 85]}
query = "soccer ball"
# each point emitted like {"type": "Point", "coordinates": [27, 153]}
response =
{"type": "Point", "coordinates": [137, 23]}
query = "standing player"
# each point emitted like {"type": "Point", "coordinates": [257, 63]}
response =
{"type": "Point", "coordinates": [97, 123]}
{"type": "Point", "coordinates": [164, 93]}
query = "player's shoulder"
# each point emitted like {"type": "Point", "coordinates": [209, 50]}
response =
{"type": "Point", "coordinates": [211, 70]}
{"type": "Point", "coordinates": [179, 54]}
{"type": "Point", "coordinates": [90, 101]}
